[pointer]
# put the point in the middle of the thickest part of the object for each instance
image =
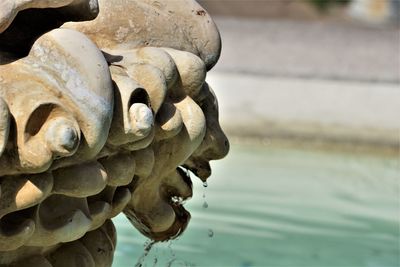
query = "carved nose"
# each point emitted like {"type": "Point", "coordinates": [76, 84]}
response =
{"type": "Point", "coordinates": [222, 147]}
{"type": "Point", "coordinates": [218, 144]}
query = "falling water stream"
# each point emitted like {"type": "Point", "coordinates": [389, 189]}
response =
{"type": "Point", "coordinates": [148, 245]}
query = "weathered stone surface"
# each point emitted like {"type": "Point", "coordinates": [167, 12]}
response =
{"type": "Point", "coordinates": [182, 25]}
{"type": "Point", "coordinates": [93, 124]}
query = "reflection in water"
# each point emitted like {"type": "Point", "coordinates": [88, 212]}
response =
{"type": "Point", "coordinates": [285, 207]}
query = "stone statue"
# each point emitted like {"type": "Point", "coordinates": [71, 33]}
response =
{"type": "Point", "coordinates": [103, 109]}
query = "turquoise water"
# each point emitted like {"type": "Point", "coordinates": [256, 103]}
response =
{"type": "Point", "coordinates": [272, 206]}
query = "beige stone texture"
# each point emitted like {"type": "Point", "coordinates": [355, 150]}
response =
{"type": "Point", "coordinates": [99, 118]}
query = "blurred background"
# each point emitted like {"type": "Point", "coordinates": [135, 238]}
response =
{"type": "Point", "coordinates": [309, 94]}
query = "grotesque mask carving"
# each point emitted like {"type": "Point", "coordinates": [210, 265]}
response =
{"type": "Point", "coordinates": [99, 118]}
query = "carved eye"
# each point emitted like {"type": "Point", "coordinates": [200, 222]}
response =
{"type": "Point", "coordinates": [62, 137]}
{"type": "Point", "coordinates": [37, 119]}
{"type": "Point", "coordinates": [139, 95]}
{"type": "Point", "coordinates": [141, 117]}
{"type": "Point", "coordinates": [133, 117]}
{"type": "Point", "coordinates": [55, 127]}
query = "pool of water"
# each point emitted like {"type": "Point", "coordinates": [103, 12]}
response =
{"type": "Point", "coordinates": [271, 206]}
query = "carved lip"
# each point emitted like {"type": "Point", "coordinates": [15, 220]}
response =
{"type": "Point", "coordinates": [199, 167]}
{"type": "Point", "coordinates": [182, 171]}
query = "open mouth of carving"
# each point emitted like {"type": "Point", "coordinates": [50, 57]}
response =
{"type": "Point", "coordinates": [177, 201]}
{"type": "Point", "coordinates": [172, 198]}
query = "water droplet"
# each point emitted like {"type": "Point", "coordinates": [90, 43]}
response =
{"type": "Point", "coordinates": [204, 195]}
{"type": "Point", "coordinates": [155, 261]}
{"type": "Point", "coordinates": [210, 233]}
{"type": "Point", "coordinates": [205, 184]}
{"type": "Point", "coordinates": [205, 205]}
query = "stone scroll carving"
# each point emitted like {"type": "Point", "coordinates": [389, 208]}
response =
{"type": "Point", "coordinates": [101, 117]}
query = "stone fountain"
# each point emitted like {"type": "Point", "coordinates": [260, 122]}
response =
{"type": "Point", "coordinates": [103, 110]}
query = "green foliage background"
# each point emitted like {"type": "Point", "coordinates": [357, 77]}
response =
{"type": "Point", "coordinates": [324, 5]}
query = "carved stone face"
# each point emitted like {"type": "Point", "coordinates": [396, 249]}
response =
{"type": "Point", "coordinates": [156, 208]}
{"type": "Point", "coordinates": [187, 131]}
{"type": "Point", "coordinates": [186, 124]}
{"type": "Point", "coordinates": [87, 134]}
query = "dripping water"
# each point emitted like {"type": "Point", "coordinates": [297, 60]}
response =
{"type": "Point", "coordinates": [155, 251]}
{"type": "Point", "coordinates": [147, 247]}
{"type": "Point", "coordinates": [174, 261]}
{"type": "Point", "coordinates": [205, 203]}
{"type": "Point", "coordinates": [171, 251]}
{"type": "Point", "coordinates": [210, 231]}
